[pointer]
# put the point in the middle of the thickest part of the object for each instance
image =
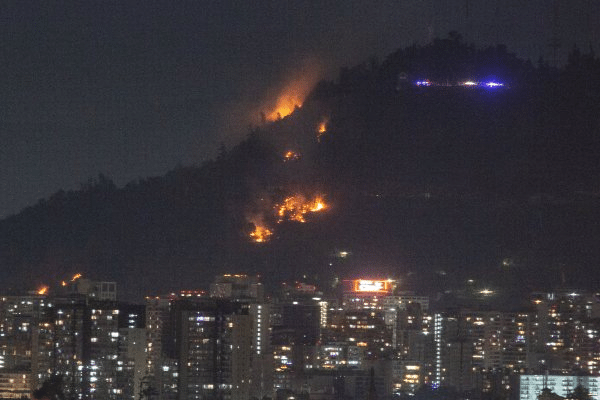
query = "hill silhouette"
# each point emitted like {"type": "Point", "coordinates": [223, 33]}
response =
{"type": "Point", "coordinates": [434, 183]}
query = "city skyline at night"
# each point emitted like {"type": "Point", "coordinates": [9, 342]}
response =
{"type": "Point", "coordinates": [310, 201]}
{"type": "Point", "coordinates": [239, 341]}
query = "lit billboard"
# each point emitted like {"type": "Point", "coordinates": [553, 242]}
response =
{"type": "Point", "coordinates": [370, 286]}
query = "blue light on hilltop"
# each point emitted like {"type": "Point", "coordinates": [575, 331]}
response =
{"type": "Point", "coordinates": [491, 83]}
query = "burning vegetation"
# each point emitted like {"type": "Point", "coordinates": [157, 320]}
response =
{"type": "Point", "coordinates": [260, 234]}
{"type": "Point", "coordinates": [293, 94]}
{"type": "Point", "coordinates": [322, 128]}
{"type": "Point", "coordinates": [73, 279]}
{"type": "Point", "coordinates": [43, 290]}
{"type": "Point", "coordinates": [295, 207]}
{"type": "Point", "coordinates": [286, 104]}
{"type": "Point", "coordinates": [291, 155]}
{"type": "Point", "coordinates": [292, 208]}
{"type": "Point", "coordinates": [275, 210]}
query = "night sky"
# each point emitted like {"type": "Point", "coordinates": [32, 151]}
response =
{"type": "Point", "coordinates": [132, 89]}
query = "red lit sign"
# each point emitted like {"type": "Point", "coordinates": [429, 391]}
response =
{"type": "Point", "coordinates": [366, 285]}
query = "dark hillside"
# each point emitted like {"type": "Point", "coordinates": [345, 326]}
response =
{"type": "Point", "coordinates": [432, 183]}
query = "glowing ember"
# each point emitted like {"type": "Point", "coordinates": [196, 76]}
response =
{"type": "Point", "coordinates": [261, 234]}
{"type": "Point", "coordinates": [291, 156]}
{"type": "Point", "coordinates": [295, 207]}
{"type": "Point", "coordinates": [43, 290]}
{"type": "Point", "coordinates": [322, 129]}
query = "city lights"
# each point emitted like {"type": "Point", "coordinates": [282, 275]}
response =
{"type": "Point", "coordinates": [366, 285]}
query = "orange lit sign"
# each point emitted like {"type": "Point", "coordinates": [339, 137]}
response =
{"type": "Point", "coordinates": [366, 285]}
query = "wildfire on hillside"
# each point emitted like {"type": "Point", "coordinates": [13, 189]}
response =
{"type": "Point", "coordinates": [291, 155]}
{"type": "Point", "coordinates": [286, 104]}
{"type": "Point", "coordinates": [292, 208]}
{"type": "Point", "coordinates": [43, 290]}
{"type": "Point", "coordinates": [322, 128]}
{"type": "Point", "coordinates": [295, 207]}
{"type": "Point", "coordinates": [260, 234]}
{"type": "Point", "coordinates": [73, 279]}
{"type": "Point", "coordinates": [292, 94]}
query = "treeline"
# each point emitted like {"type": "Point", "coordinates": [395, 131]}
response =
{"type": "Point", "coordinates": [392, 156]}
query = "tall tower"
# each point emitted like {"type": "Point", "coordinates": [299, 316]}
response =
{"type": "Point", "coordinates": [86, 340]}
{"type": "Point", "coordinates": [25, 341]}
{"type": "Point", "coordinates": [248, 291]}
{"type": "Point", "coordinates": [214, 345]}
{"type": "Point", "coordinates": [161, 366]}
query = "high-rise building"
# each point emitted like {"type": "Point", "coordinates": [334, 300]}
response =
{"type": "Point", "coordinates": [161, 377]}
{"type": "Point", "coordinates": [213, 348]}
{"type": "Point", "coordinates": [248, 290]}
{"type": "Point", "coordinates": [25, 341]}
{"type": "Point", "coordinates": [131, 363]}
{"type": "Point", "coordinates": [296, 330]}
{"type": "Point", "coordinates": [86, 339]}
{"type": "Point", "coordinates": [413, 342]}
{"type": "Point", "coordinates": [473, 346]}
{"type": "Point", "coordinates": [97, 341]}
{"type": "Point", "coordinates": [566, 327]}
{"type": "Point", "coordinates": [454, 353]}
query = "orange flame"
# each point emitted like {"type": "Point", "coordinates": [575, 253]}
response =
{"type": "Point", "coordinates": [75, 277]}
{"type": "Point", "coordinates": [43, 290]}
{"type": "Point", "coordinates": [293, 94]}
{"type": "Point", "coordinates": [291, 155]}
{"type": "Point", "coordinates": [322, 128]}
{"type": "Point", "coordinates": [295, 207]}
{"type": "Point", "coordinates": [286, 104]}
{"type": "Point", "coordinates": [260, 234]}
{"type": "Point", "coordinates": [317, 205]}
